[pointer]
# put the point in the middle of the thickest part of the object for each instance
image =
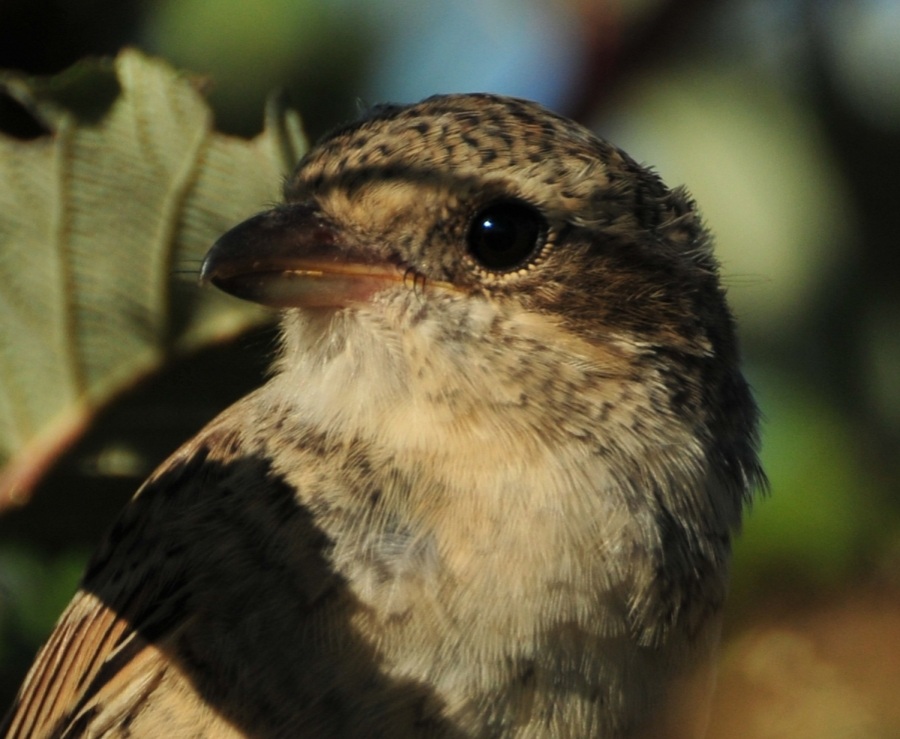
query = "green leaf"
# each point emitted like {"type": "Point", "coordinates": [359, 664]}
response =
{"type": "Point", "coordinates": [132, 185]}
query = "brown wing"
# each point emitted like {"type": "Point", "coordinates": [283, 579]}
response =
{"type": "Point", "coordinates": [120, 655]}
{"type": "Point", "coordinates": [213, 607]}
{"type": "Point", "coordinates": [118, 641]}
{"type": "Point", "coordinates": [86, 634]}
{"type": "Point", "coordinates": [97, 675]}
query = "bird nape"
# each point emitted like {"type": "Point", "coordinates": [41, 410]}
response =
{"type": "Point", "coordinates": [490, 487]}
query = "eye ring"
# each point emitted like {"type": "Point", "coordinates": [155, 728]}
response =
{"type": "Point", "coordinates": [505, 234]}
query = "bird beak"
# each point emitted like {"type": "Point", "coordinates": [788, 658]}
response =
{"type": "Point", "coordinates": [294, 256]}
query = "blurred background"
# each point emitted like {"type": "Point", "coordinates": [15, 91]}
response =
{"type": "Point", "coordinates": [783, 119]}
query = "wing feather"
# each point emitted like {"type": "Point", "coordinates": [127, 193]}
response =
{"type": "Point", "coordinates": [65, 668]}
{"type": "Point", "coordinates": [107, 649]}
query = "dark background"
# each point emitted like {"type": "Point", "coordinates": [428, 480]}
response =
{"type": "Point", "coordinates": [781, 116]}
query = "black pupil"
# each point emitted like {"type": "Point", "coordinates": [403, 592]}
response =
{"type": "Point", "coordinates": [504, 235]}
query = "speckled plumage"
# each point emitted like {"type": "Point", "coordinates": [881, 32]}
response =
{"type": "Point", "coordinates": [471, 500]}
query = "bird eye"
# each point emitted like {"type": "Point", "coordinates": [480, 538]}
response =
{"type": "Point", "coordinates": [505, 234]}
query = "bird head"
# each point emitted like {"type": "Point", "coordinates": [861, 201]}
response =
{"type": "Point", "coordinates": [480, 197]}
{"type": "Point", "coordinates": [475, 252]}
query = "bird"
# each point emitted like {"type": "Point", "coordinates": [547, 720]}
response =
{"type": "Point", "coordinates": [490, 486]}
